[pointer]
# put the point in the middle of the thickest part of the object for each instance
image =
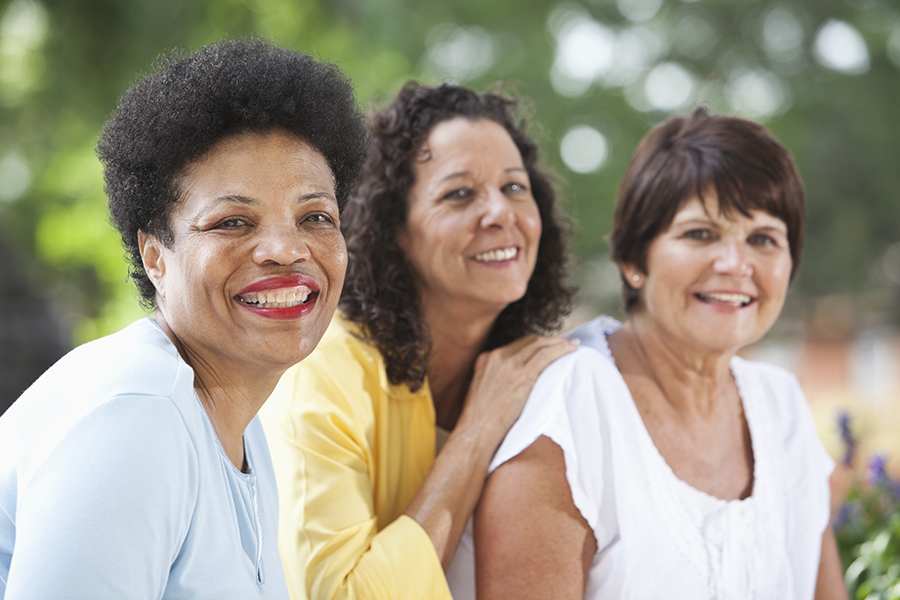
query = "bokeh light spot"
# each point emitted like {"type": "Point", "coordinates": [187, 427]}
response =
{"type": "Point", "coordinates": [459, 53]}
{"type": "Point", "coordinates": [756, 94]}
{"type": "Point", "coordinates": [639, 11]}
{"type": "Point", "coordinates": [669, 87]}
{"type": "Point", "coordinates": [15, 177]}
{"type": "Point", "coordinates": [584, 149]}
{"type": "Point", "coordinates": [840, 47]}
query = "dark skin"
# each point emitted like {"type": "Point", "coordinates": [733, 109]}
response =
{"type": "Point", "coordinates": [254, 208]}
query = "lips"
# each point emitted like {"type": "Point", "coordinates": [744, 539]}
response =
{"type": "Point", "coordinates": [732, 299]}
{"type": "Point", "coordinates": [498, 255]}
{"type": "Point", "coordinates": [285, 297]}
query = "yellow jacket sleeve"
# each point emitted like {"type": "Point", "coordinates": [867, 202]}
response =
{"type": "Point", "coordinates": [321, 423]}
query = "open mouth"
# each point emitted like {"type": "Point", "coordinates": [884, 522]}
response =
{"type": "Point", "coordinates": [726, 299]}
{"type": "Point", "coordinates": [279, 298]}
{"type": "Point", "coordinates": [499, 255]}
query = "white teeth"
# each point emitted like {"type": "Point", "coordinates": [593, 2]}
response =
{"type": "Point", "coordinates": [497, 255]}
{"type": "Point", "coordinates": [726, 298]}
{"type": "Point", "coordinates": [281, 298]}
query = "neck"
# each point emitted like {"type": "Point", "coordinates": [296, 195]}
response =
{"type": "Point", "coordinates": [231, 394]}
{"type": "Point", "coordinates": [456, 342]}
{"type": "Point", "coordinates": [692, 381]}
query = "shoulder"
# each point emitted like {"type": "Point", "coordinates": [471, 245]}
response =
{"type": "Point", "coordinates": [593, 334]}
{"type": "Point", "coordinates": [139, 359]}
{"type": "Point", "coordinates": [774, 400]}
{"type": "Point", "coordinates": [774, 387]}
{"type": "Point", "coordinates": [135, 374]}
{"type": "Point", "coordinates": [568, 403]}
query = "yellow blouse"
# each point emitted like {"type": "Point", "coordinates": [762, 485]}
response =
{"type": "Point", "coordinates": [350, 452]}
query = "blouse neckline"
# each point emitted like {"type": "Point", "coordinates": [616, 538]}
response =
{"type": "Point", "coordinates": [704, 528]}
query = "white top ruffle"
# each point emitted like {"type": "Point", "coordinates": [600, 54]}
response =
{"type": "Point", "coordinates": [657, 536]}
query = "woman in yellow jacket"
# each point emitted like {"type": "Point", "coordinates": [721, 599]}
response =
{"type": "Point", "coordinates": [381, 439]}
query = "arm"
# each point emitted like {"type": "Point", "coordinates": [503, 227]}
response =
{"type": "Point", "coordinates": [830, 583]}
{"type": "Point", "coordinates": [105, 514]}
{"type": "Point", "coordinates": [530, 539]}
{"type": "Point", "coordinates": [502, 381]}
{"type": "Point", "coordinates": [317, 424]}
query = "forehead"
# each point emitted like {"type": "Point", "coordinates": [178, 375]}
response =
{"type": "Point", "coordinates": [707, 208]}
{"type": "Point", "coordinates": [462, 142]}
{"type": "Point", "coordinates": [254, 163]}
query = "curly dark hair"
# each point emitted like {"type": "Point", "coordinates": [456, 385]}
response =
{"type": "Point", "coordinates": [380, 294]}
{"type": "Point", "coordinates": [683, 157]}
{"type": "Point", "coordinates": [191, 101]}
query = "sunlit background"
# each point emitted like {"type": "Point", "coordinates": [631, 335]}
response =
{"type": "Point", "coordinates": [824, 75]}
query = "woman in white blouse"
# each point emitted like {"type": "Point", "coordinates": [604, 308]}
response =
{"type": "Point", "coordinates": [654, 462]}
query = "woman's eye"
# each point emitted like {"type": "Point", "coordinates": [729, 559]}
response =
{"type": "Point", "coordinates": [762, 239]}
{"type": "Point", "coordinates": [457, 194]}
{"type": "Point", "coordinates": [319, 218]}
{"type": "Point", "coordinates": [698, 234]}
{"type": "Point", "coordinates": [232, 223]}
{"type": "Point", "coordinates": [514, 187]}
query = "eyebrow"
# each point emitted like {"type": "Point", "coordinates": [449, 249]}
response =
{"type": "Point", "coordinates": [239, 199]}
{"type": "Point", "coordinates": [782, 227]}
{"type": "Point", "coordinates": [467, 173]}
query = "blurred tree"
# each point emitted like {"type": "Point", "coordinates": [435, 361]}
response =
{"type": "Point", "coordinates": [824, 75]}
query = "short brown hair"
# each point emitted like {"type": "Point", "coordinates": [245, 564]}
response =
{"type": "Point", "coordinates": [685, 155]}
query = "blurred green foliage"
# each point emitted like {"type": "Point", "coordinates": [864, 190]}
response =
{"type": "Point", "coordinates": [63, 63]}
{"type": "Point", "coordinates": [867, 526]}
{"type": "Point", "coordinates": [868, 534]}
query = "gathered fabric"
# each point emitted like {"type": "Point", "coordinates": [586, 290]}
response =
{"type": "Point", "coordinates": [657, 536]}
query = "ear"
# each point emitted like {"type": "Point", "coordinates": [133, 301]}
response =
{"type": "Point", "coordinates": [632, 275]}
{"type": "Point", "coordinates": [153, 257]}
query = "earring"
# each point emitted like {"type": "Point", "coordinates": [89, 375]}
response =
{"type": "Point", "coordinates": [635, 278]}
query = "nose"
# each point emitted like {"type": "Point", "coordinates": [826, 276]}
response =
{"type": "Point", "coordinates": [281, 244]}
{"type": "Point", "coordinates": [733, 260]}
{"type": "Point", "coordinates": [497, 211]}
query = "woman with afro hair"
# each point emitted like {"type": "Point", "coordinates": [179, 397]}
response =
{"type": "Point", "coordinates": [136, 467]}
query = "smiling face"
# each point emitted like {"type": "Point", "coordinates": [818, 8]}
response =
{"type": "Point", "coordinates": [473, 228]}
{"type": "Point", "coordinates": [714, 284]}
{"type": "Point", "coordinates": [255, 270]}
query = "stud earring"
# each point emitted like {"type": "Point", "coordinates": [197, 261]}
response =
{"type": "Point", "coordinates": [635, 278]}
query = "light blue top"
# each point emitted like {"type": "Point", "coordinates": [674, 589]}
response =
{"type": "Point", "coordinates": [113, 484]}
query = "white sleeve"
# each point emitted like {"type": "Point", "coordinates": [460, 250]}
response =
{"type": "Point", "coordinates": [564, 405]}
{"type": "Point", "coordinates": [105, 514]}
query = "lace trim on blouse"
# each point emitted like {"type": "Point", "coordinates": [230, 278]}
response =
{"type": "Point", "coordinates": [737, 546]}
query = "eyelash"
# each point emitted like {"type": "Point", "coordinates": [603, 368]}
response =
{"type": "Point", "coordinates": [235, 223]}
{"type": "Point", "coordinates": [457, 194]}
{"type": "Point", "coordinates": [513, 187]}
{"type": "Point", "coordinates": [694, 234]}
{"type": "Point", "coordinates": [767, 239]}
{"type": "Point", "coordinates": [321, 218]}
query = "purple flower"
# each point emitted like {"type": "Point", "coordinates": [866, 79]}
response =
{"type": "Point", "coordinates": [877, 473]}
{"type": "Point", "coordinates": [843, 516]}
{"type": "Point", "coordinates": [847, 437]}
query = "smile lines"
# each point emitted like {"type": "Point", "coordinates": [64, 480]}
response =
{"type": "Point", "coordinates": [497, 255]}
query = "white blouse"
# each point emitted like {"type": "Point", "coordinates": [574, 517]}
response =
{"type": "Point", "coordinates": [657, 536]}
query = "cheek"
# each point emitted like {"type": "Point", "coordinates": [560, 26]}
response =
{"type": "Point", "coordinates": [333, 256]}
{"type": "Point", "coordinates": [530, 220]}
